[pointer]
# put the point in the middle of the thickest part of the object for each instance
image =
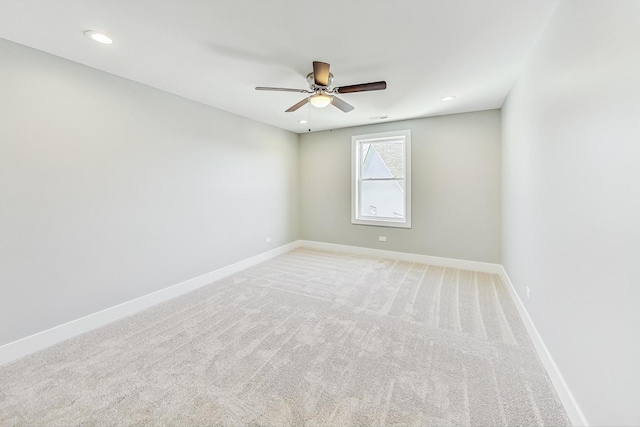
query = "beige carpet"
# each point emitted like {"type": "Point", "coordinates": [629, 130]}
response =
{"type": "Point", "coordinates": [308, 338]}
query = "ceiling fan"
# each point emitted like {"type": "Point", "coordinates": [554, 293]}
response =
{"type": "Point", "coordinates": [320, 85]}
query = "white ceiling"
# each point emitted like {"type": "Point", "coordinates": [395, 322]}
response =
{"type": "Point", "coordinates": [216, 51]}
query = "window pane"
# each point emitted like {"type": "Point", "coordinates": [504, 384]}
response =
{"type": "Point", "coordinates": [383, 199]}
{"type": "Point", "coordinates": [382, 160]}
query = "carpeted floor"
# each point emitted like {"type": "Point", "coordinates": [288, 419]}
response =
{"type": "Point", "coordinates": [307, 338]}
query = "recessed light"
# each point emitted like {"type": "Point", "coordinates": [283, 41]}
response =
{"type": "Point", "coordinates": [98, 37]}
{"type": "Point", "coordinates": [448, 98]}
{"type": "Point", "coordinates": [302, 121]}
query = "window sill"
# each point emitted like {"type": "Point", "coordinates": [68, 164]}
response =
{"type": "Point", "coordinates": [378, 223]}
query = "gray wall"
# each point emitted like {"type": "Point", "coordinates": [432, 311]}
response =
{"type": "Point", "coordinates": [455, 188]}
{"type": "Point", "coordinates": [110, 190]}
{"type": "Point", "coordinates": [571, 201]}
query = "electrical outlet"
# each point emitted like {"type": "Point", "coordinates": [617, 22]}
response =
{"type": "Point", "coordinates": [528, 293]}
{"type": "Point", "coordinates": [382, 238]}
{"type": "Point", "coordinates": [268, 239]}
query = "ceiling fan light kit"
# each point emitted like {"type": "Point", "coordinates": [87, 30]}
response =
{"type": "Point", "coordinates": [320, 85]}
{"type": "Point", "coordinates": [320, 100]}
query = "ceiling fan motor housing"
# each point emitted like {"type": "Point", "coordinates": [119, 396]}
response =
{"type": "Point", "coordinates": [314, 87]}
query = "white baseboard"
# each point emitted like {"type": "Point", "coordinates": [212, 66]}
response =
{"type": "Point", "coordinates": [570, 405]}
{"type": "Point", "coordinates": [405, 256]}
{"type": "Point", "coordinates": [41, 340]}
{"type": "Point", "coordinates": [44, 339]}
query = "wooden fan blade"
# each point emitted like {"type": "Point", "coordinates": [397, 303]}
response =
{"type": "Point", "coordinates": [339, 103]}
{"type": "Point", "coordinates": [321, 73]}
{"type": "Point", "coordinates": [282, 89]}
{"type": "Point", "coordinates": [363, 87]}
{"type": "Point", "coordinates": [298, 105]}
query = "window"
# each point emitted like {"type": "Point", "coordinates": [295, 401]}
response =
{"type": "Point", "coordinates": [381, 179]}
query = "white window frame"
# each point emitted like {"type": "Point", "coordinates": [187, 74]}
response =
{"type": "Point", "coordinates": [356, 142]}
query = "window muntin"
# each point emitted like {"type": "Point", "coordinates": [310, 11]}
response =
{"type": "Point", "coordinates": [381, 182]}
